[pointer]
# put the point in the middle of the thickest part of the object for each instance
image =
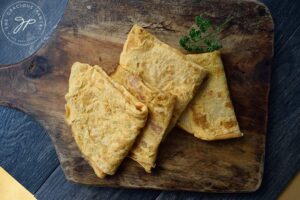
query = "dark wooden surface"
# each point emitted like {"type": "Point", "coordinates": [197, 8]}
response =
{"type": "Point", "coordinates": [37, 86]}
{"type": "Point", "coordinates": [282, 155]}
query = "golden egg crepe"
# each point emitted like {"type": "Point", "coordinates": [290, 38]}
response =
{"type": "Point", "coordinates": [160, 107]}
{"type": "Point", "coordinates": [210, 115]}
{"type": "Point", "coordinates": [105, 118]}
{"type": "Point", "coordinates": [163, 67]}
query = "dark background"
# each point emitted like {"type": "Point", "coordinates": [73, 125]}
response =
{"type": "Point", "coordinates": [27, 153]}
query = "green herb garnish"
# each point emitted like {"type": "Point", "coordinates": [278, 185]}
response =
{"type": "Point", "coordinates": [203, 38]}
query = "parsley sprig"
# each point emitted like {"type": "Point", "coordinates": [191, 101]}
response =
{"type": "Point", "coordinates": [203, 38]}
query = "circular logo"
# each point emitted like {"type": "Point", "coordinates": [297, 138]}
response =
{"type": "Point", "coordinates": [23, 23]}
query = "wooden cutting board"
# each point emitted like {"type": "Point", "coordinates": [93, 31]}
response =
{"type": "Point", "coordinates": [94, 31]}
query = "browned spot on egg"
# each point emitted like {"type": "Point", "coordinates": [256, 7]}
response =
{"type": "Point", "coordinates": [156, 128]}
{"type": "Point", "coordinates": [141, 97]}
{"type": "Point", "coordinates": [170, 70]}
{"type": "Point", "coordinates": [162, 97]}
{"type": "Point", "coordinates": [219, 94]}
{"type": "Point", "coordinates": [218, 71]}
{"type": "Point", "coordinates": [107, 107]}
{"type": "Point", "coordinates": [143, 64]}
{"type": "Point", "coordinates": [210, 93]}
{"type": "Point", "coordinates": [228, 124]}
{"type": "Point", "coordinates": [228, 105]}
{"type": "Point", "coordinates": [200, 120]}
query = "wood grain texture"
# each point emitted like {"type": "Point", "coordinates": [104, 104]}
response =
{"type": "Point", "coordinates": [37, 86]}
{"type": "Point", "coordinates": [25, 149]}
{"type": "Point", "coordinates": [52, 190]}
